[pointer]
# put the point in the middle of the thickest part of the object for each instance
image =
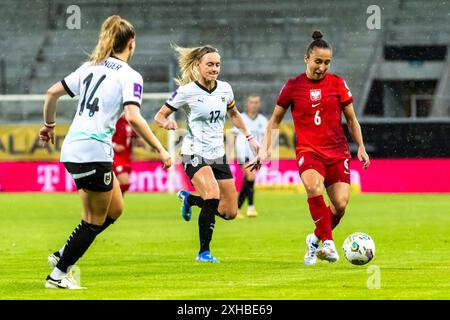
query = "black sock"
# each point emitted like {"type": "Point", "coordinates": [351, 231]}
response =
{"type": "Point", "coordinates": [250, 192]}
{"type": "Point", "coordinates": [206, 221]}
{"type": "Point", "coordinates": [195, 200]}
{"type": "Point", "coordinates": [79, 241]}
{"type": "Point", "coordinates": [109, 221]}
{"type": "Point", "coordinates": [243, 193]}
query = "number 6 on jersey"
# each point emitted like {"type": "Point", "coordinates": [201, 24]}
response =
{"type": "Point", "coordinates": [317, 119]}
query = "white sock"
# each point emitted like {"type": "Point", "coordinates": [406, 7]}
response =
{"type": "Point", "coordinates": [57, 274]}
{"type": "Point", "coordinates": [314, 238]}
{"type": "Point", "coordinates": [251, 208]}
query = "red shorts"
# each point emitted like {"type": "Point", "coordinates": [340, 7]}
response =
{"type": "Point", "coordinates": [333, 171]}
{"type": "Point", "coordinates": [119, 168]}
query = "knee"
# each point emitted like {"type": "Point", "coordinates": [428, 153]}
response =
{"type": "Point", "coordinates": [340, 206]}
{"type": "Point", "coordinates": [229, 215]}
{"type": "Point", "coordinates": [313, 190]}
{"type": "Point", "coordinates": [211, 194]}
{"type": "Point", "coordinates": [116, 211]}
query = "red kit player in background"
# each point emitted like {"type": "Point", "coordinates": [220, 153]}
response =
{"type": "Point", "coordinates": [123, 145]}
{"type": "Point", "coordinates": [317, 100]}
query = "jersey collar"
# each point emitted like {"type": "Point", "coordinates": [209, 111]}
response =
{"type": "Point", "coordinates": [206, 89]}
{"type": "Point", "coordinates": [113, 56]}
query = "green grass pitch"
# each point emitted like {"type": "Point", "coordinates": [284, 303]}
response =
{"type": "Point", "coordinates": [149, 252]}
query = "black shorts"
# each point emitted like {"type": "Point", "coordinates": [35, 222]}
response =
{"type": "Point", "coordinates": [92, 176]}
{"type": "Point", "coordinates": [219, 166]}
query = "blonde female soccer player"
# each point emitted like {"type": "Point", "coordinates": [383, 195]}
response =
{"type": "Point", "coordinates": [207, 101]}
{"type": "Point", "coordinates": [107, 86]}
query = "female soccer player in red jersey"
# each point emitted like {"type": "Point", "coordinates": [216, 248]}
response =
{"type": "Point", "coordinates": [317, 99]}
{"type": "Point", "coordinates": [123, 140]}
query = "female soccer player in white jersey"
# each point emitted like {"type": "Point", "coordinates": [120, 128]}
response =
{"type": "Point", "coordinates": [207, 101]}
{"type": "Point", "coordinates": [256, 123]}
{"type": "Point", "coordinates": [107, 86]}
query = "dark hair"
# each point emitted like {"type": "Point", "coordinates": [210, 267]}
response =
{"type": "Point", "coordinates": [317, 42]}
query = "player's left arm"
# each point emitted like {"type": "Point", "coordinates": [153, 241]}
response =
{"type": "Point", "coordinates": [354, 128]}
{"type": "Point", "coordinates": [236, 118]}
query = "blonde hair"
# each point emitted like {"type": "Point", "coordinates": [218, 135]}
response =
{"type": "Point", "coordinates": [114, 36]}
{"type": "Point", "coordinates": [188, 59]}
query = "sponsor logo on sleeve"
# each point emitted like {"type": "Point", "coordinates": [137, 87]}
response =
{"type": "Point", "coordinates": [173, 95]}
{"type": "Point", "coordinates": [137, 90]}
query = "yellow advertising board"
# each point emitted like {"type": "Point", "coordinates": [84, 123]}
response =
{"type": "Point", "coordinates": [21, 142]}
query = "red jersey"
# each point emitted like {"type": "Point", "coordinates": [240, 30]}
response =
{"type": "Point", "coordinates": [124, 136]}
{"type": "Point", "coordinates": [316, 107]}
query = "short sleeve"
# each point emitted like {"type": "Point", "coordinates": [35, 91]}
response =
{"type": "Point", "coordinates": [177, 99]}
{"type": "Point", "coordinates": [345, 94]}
{"type": "Point", "coordinates": [132, 89]}
{"type": "Point", "coordinates": [71, 83]}
{"type": "Point", "coordinates": [230, 99]}
{"type": "Point", "coordinates": [284, 99]}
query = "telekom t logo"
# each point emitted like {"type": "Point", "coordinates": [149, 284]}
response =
{"type": "Point", "coordinates": [48, 176]}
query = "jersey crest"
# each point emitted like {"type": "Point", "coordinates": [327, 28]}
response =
{"type": "Point", "coordinates": [315, 94]}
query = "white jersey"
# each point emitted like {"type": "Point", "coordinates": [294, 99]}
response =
{"type": "Point", "coordinates": [103, 89]}
{"type": "Point", "coordinates": [257, 128]}
{"type": "Point", "coordinates": [206, 114]}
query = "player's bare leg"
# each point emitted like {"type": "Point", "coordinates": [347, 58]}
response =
{"type": "Point", "coordinates": [228, 199]}
{"type": "Point", "coordinates": [115, 208]}
{"type": "Point", "coordinates": [339, 194]}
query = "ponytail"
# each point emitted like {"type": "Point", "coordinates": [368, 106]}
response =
{"type": "Point", "coordinates": [114, 36]}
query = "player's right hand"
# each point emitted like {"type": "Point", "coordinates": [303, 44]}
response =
{"type": "Point", "coordinates": [166, 159]}
{"type": "Point", "coordinates": [46, 135]}
{"type": "Point", "coordinates": [262, 157]}
{"type": "Point", "coordinates": [254, 165]}
{"type": "Point", "coordinates": [170, 125]}
{"type": "Point", "coordinates": [363, 157]}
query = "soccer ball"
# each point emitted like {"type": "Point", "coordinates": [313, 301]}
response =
{"type": "Point", "coordinates": [359, 248]}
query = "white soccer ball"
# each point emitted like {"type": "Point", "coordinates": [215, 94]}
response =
{"type": "Point", "coordinates": [359, 248]}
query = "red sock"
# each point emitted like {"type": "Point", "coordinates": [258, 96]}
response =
{"type": "Point", "coordinates": [321, 216]}
{"type": "Point", "coordinates": [124, 188]}
{"type": "Point", "coordinates": [335, 219]}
